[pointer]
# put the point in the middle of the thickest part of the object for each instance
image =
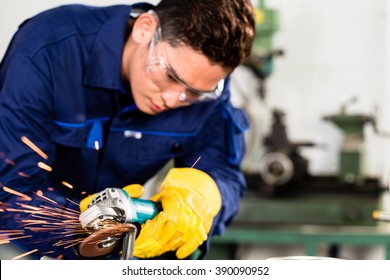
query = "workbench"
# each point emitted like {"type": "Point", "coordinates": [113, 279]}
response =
{"type": "Point", "coordinates": [311, 236]}
{"type": "Point", "coordinates": [310, 220]}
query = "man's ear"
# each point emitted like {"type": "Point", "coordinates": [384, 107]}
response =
{"type": "Point", "coordinates": [144, 28]}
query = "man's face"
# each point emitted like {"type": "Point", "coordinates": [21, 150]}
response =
{"type": "Point", "coordinates": [163, 77]}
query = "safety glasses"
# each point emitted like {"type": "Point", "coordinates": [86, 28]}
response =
{"type": "Point", "coordinates": [165, 77]}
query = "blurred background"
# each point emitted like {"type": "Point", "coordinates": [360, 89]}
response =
{"type": "Point", "coordinates": [318, 152]}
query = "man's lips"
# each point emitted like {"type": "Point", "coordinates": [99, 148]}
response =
{"type": "Point", "coordinates": [156, 108]}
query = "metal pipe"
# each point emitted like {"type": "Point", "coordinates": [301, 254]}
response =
{"type": "Point", "coordinates": [381, 216]}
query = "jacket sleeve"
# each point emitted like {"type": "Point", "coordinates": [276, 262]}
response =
{"type": "Point", "coordinates": [26, 111]}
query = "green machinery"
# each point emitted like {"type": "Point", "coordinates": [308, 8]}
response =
{"type": "Point", "coordinates": [267, 24]}
{"type": "Point", "coordinates": [263, 51]}
{"type": "Point", "coordinates": [351, 159]}
{"type": "Point", "coordinates": [333, 210]}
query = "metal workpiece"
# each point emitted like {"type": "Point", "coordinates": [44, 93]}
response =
{"type": "Point", "coordinates": [128, 243]}
{"type": "Point", "coordinates": [381, 215]}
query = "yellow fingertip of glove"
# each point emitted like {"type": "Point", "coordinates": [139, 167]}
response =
{"type": "Point", "coordinates": [85, 202]}
{"type": "Point", "coordinates": [197, 180]}
{"type": "Point", "coordinates": [134, 190]}
{"type": "Point", "coordinates": [189, 247]}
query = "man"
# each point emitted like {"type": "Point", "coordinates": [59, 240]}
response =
{"type": "Point", "coordinates": [98, 97]}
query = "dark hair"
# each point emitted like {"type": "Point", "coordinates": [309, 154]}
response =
{"type": "Point", "coordinates": [222, 30]}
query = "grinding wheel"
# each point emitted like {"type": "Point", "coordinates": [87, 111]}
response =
{"type": "Point", "coordinates": [104, 241]}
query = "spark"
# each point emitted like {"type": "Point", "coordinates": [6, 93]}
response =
{"type": "Point", "coordinates": [7, 239]}
{"type": "Point", "coordinates": [19, 210]}
{"type": "Point", "coordinates": [71, 201]}
{"type": "Point", "coordinates": [62, 209]}
{"type": "Point", "coordinates": [44, 166]}
{"type": "Point", "coordinates": [22, 174]}
{"type": "Point", "coordinates": [25, 254]}
{"type": "Point", "coordinates": [195, 162]}
{"type": "Point", "coordinates": [11, 191]}
{"type": "Point", "coordinates": [10, 162]}
{"type": "Point", "coordinates": [69, 243]}
{"type": "Point", "coordinates": [66, 184]}
{"type": "Point", "coordinates": [28, 206]}
{"type": "Point", "coordinates": [13, 231]}
{"type": "Point", "coordinates": [8, 235]}
{"type": "Point", "coordinates": [40, 194]}
{"type": "Point", "coordinates": [97, 145]}
{"type": "Point", "coordinates": [48, 252]}
{"type": "Point", "coordinates": [30, 144]}
{"type": "Point", "coordinates": [60, 222]}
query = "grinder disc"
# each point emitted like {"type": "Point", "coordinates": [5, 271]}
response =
{"type": "Point", "coordinates": [104, 241]}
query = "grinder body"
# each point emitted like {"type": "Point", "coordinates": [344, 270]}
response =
{"type": "Point", "coordinates": [110, 216]}
{"type": "Point", "coordinates": [116, 205]}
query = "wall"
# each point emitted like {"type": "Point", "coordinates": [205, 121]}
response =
{"type": "Point", "coordinates": [14, 12]}
{"type": "Point", "coordinates": [334, 50]}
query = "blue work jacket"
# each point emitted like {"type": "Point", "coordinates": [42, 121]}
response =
{"type": "Point", "coordinates": [61, 87]}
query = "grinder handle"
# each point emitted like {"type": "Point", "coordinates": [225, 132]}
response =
{"type": "Point", "coordinates": [144, 210]}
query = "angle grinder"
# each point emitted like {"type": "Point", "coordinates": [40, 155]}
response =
{"type": "Point", "coordinates": [110, 218]}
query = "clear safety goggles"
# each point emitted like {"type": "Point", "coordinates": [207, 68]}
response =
{"type": "Point", "coordinates": [165, 77]}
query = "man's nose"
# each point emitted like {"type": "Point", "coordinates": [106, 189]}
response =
{"type": "Point", "coordinates": [173, 98]}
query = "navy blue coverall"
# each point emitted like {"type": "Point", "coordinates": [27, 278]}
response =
{"type": "Point", "coordinates": [61, 87]}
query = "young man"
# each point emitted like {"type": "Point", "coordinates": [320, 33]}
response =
{"type": "Point", "coordinates": [110, 95]}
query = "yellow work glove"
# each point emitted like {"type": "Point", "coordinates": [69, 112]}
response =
{"type": "Point", "coordinates": [190, 200]}
{"type": "Point", "coordinates": [134, 191]}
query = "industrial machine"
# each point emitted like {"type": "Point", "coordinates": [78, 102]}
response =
{"type": "Point", "coordinates": [351, 159]}
{"type": "Point", "coordinates": [281, 169]}
{"type": "Point", "coordinates": [261, 59]}
{"type": "Point", "coordinates": [284, 191]}
{"type": "Point", "coordinates": [285, 204]}
{"type": "Point", "coordinates": [280, 186]}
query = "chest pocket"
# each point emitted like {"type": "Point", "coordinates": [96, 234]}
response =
{"type": "Point", "coordinates": [84, 135]}
{"type": "Point", "coordinates": [78, 152]}
{"type": "Point", "coordinates": [157, 145]}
